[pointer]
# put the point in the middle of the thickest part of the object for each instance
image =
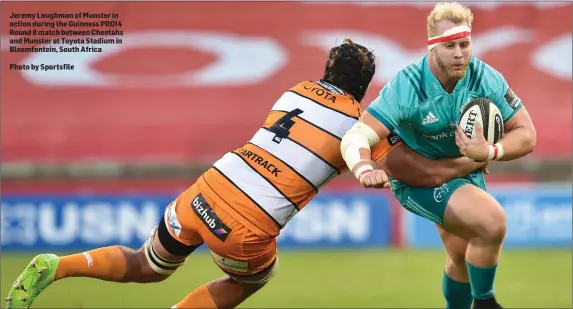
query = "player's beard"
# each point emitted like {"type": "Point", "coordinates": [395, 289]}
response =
{"type": "Point", "coordinates": [450, 71]}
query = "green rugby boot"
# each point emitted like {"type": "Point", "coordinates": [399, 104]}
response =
{"type": "Point", "coordinates": [37, 276]}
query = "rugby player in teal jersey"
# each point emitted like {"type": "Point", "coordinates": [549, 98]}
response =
{"type": "Point", "coordinates": [422, 105]}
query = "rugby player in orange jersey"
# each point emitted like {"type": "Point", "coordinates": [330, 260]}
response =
{"type": "Point", "coordinates": [238, 207]}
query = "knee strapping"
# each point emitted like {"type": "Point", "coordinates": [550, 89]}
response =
{"type": "Point", "coordinates": [261, 277]}
{"type": "Point", "coordinates": [157, 263]}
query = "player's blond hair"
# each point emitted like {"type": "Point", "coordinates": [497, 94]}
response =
{"type": "Point", "coordinates": [452, 11]}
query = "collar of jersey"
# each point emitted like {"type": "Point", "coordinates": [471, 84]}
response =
{"type": "Point", "coordinates": [330, 87]}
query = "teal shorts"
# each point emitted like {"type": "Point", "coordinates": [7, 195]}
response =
{"type": "Point", "coordinates": [430, 203]}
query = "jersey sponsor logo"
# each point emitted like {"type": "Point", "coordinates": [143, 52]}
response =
{"type": "Point", "coordinates": [430, 118]}
{"type": "Point", "coordinates": [230, 264]}
{"type": "Point", "coordinates": [439, 136]}
{"type": "Point", "coordinates": [260, 161]}
{"type": "Point", "coordinates": [511, 99]}
{"type": "Point", "coordinates": [204, 211]}
{"type": "Point", "coordinates": [393, 139]}
{"type": "Point", "coordinates": [321, 93]}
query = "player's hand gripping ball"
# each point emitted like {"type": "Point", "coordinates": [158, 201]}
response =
{"type": "Point", "coordinates": [476, 148]}
{"type": "Point", "coordinates": [480, 125]}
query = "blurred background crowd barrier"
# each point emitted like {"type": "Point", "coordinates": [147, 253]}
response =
{"type": "Point", "coordinates": [91, 157]}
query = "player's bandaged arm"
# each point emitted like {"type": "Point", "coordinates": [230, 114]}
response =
{"type": "Point", "coordinates": [413, 169]}
{"type": "Point", "coordinates": [356, 143]}
{"type": "Point", "coordinates": [519, 137]}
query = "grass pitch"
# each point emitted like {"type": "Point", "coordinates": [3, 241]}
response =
{"type": "Point", "coordinates": [327, 279]}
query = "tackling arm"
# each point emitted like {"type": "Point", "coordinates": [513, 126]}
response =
{"type": "Point", "coordinates": [356, 143]}
{"type": "Point", "coordinates": [411, 168]}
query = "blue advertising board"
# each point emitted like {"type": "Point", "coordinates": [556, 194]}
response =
{"type": "Point", "coordinates": [537, 217]}
{"type": "Point", "coordinates": [80, 222]}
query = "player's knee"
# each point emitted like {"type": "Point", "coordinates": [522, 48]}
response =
{"type": "Point", "coordinates": [495, 232]}
{"type": "Point", "coordinates": [256, 281]}
{"type": "Point", "coordinates": [146, 273]}
{"type": "Point", "coordinates": [496, 226]}
{"type": "Point", "coordinates": [456, 247]}
{"type": "Point", "coordinates": [147, 269]}
{"type": "Point", "coordinates": [457, 257]}
{"type": "Point", "coordinates": [158, 268]}
{"type": "Point", "coordinates": [151, 266]}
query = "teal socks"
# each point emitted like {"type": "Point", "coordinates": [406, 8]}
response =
{"type": "Point", "coordinates": [458, 294]}
{"type": "Point", "coordinates": [481, 279]}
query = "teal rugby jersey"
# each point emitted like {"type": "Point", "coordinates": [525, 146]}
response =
{"type": "Point", "coordinates": [415, 106]}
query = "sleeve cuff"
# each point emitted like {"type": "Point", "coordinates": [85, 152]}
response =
{"type": "Point", "coordinates": [513, 113]}
{"type": "Point", "coordinates": [381, 118]}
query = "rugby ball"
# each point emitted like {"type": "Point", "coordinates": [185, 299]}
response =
{"type": "Point", "coordinates": [484, 112]}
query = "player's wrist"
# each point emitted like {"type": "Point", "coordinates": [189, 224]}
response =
{"type": "Point", "coordinates": [495, 152]}
{"type": "Point", "coordinates": [362, 170]}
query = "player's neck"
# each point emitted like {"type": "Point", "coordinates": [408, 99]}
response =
{"type": "Point", "coordinates": [447, 83]}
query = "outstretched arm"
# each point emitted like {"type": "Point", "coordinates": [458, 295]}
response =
{"type": "Point", "coordinates": [406, 165]}
{"type": "Point", "coordinates": [356, 151]}
{"type": "Point", "coordinates": [383, 115]}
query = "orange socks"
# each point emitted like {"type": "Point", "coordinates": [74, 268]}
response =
{"type": "Point", "coordinates": [108, 263]}
{"type": "Point", "coordinates": [199, 298]}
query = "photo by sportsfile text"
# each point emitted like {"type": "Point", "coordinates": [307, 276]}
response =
{"type": "Point", "coordinates": [41, 67]}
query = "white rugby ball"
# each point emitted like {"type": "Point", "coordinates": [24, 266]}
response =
{"type": "Point", "coordinates": [484, 112]}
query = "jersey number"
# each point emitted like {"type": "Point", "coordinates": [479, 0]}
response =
{"type": "Point", "coordinates": [282, 126]}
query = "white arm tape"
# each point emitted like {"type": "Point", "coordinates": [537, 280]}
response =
{"type": "Point", "coordinates": [359, 136]}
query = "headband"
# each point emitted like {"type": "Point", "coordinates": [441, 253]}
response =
{"type": "Point", "coordinates": [449, 35]}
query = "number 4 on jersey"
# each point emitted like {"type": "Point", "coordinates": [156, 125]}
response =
{"type": "Point", "coordinates": [282, 126]}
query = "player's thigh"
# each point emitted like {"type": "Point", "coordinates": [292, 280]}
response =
{"type": "Point", "coordinates": [472, 212]}
{"type": "Point", "coordinates": [429, 203]}
{"type": "Point", "coordinates": [255, 264]}
{"type": "Point", "coordinates": [244, 255]}
{"type": "Point", "coordinates": [175, 237]}
{"type": "Point", "coordinates": [455, 246]}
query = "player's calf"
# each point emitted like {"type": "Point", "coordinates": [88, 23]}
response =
{"type": "Point", "coordinates": [456, 248]}
{"type": "Point", "coordinates": [117, 264]}
{"type": "Point", "coordinates": [229, 291]}
{"type": "Point", "coordinates": [113, 263]}
{"type": "Point", "coordinates": [455, 282]}
{"type": "Point", "coordinates": [150, 263]}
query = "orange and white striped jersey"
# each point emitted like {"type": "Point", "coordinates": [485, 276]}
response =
{"type": "Point", "coordinates": [295, 153]}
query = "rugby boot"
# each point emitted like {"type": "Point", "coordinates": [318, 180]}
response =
{"type": "Point", "coordinates": [37, 276]}
{"type": "Point", "coordinates": [490, 303]}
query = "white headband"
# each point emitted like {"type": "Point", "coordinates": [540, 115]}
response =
{"type": "Point", "coordinates": [449, 35]}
